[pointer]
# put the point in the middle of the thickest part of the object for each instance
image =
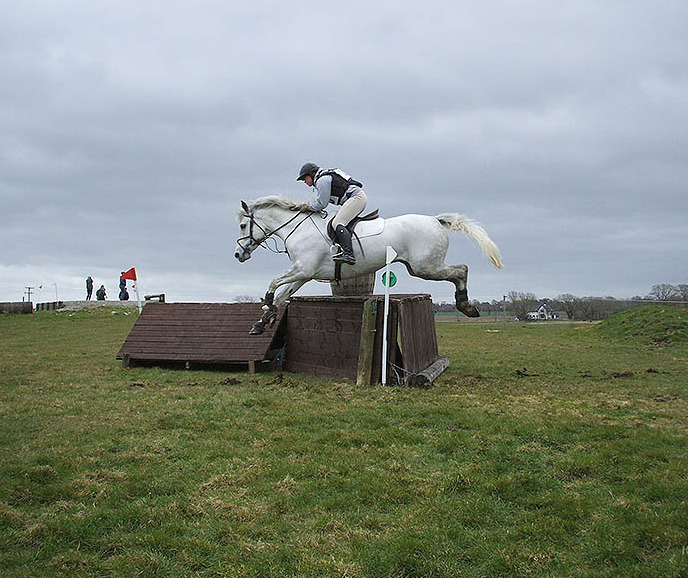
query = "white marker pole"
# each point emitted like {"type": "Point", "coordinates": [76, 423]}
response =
{"type": "Point", "coordinates": [138, 297]}
{"type": "Point", "coordinates": [391, 255]}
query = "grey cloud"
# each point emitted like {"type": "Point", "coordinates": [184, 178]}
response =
{"type": "Point", "coordinates": [129, 133]}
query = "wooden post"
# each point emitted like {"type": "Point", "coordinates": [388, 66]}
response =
{"type": "Point", "coordinates": [362, 285]}
{"type": "Point", "coordinates": [367, 343]}
{"type": "Point", "coordinates": [425, 378]}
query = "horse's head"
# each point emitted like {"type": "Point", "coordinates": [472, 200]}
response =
{"type": "Point", "coordinates": [251, 236]}
{"type": "Point", "coordinates": [260, 219]}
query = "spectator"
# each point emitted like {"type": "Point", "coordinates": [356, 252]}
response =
{"type": "Point", "coordinates": [123, 293]}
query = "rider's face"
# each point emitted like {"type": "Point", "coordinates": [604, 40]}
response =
{"type": "Point", "coordinates": [308, 180]}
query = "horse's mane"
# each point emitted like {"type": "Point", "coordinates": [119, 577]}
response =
{"type": "Point", "coordinates": [268, 202]}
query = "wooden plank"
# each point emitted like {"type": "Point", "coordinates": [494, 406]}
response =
{"type": "Point", "coordinates": [323, 349]}
{"type": "Point", "coordinates": [200, 332]}
{"type": "Point", "coordinates": [417, 333]}
{"type": "Point", "coordinates": [325, 325]}
{"type": "Point", "coordinates": [323, 336]}
{"type": "Point", "coordinates": [364, 367]}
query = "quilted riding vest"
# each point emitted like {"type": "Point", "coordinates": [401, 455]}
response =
{"type": "Point", "coordinates": [340, 184]}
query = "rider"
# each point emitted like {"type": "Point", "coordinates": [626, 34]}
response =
{"type": "Point", "coordinates": [335, 186]}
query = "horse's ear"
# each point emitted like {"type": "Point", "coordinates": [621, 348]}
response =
{"type": "Point", "coordinates": [245, 207]}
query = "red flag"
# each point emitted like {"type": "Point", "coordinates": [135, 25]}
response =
{"type": "Point", "coordinates": [130, 274]}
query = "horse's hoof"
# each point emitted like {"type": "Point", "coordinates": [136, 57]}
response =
{"type": "Point", "coordinates": [467, 309]}
{"type": "Point", "coordinates": [257, 328]}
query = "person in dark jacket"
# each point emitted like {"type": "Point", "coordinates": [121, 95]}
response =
{"type": "Point", "coordinates": [100, 294]}
{"type": "Point", "coordinates": [89, 288]}
{"type": "Point", "coordinates": [123, 293]}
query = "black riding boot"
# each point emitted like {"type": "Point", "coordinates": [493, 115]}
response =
{"type": "Point", "coordinates": [346, 255]}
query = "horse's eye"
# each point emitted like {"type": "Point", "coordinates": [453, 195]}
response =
{"type": "Point", "coordinates": [242, 226]}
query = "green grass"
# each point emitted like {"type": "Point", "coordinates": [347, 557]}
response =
{"type": "Point", "coordinates": [656, 324]}
{"type": "Point", "coordinates": [544, 450]}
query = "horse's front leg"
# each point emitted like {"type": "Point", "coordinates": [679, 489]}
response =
{"type": "Point", "coordinates": [287, 283]}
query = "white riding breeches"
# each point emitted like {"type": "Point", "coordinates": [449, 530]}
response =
{"type": "Point", "coordinates": [351, 208]}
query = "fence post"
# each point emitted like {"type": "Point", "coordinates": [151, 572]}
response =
{"type": "Point", "coordinates": [367, 344]}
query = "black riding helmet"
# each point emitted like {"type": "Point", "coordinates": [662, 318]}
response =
{"type": "Point", "coordinates": [307, 169]}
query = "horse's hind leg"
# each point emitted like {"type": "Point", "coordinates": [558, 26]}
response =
{"type": "Point", "coordinates": [457, 274]}
{"type": "Point", "coordinates": [461, 295]}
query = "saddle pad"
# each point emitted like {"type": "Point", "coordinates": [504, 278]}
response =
{"type": "Point", "coordinates": [369, 228]}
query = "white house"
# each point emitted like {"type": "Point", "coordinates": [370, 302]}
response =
{"type": "Point", "coordinates": [543, 313]}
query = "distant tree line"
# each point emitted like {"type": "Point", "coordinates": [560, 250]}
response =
{"type": "Point", "coordinates": [568, 306]}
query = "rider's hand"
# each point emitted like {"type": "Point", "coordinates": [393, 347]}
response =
{"type": "Point", "coordinates": [304, 207]}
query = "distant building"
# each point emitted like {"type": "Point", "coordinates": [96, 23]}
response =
{"type": "Point", "coordinates": [543, 313]}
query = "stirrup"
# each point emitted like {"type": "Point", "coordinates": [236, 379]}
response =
{"type": "Point", "coordinates": [344, 258]}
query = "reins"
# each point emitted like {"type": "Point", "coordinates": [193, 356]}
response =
{"type": "Point", "coordinates": [263, 242]}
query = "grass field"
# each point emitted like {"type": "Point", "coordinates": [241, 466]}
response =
{"type": "Point", "coordinates": [544, 450]}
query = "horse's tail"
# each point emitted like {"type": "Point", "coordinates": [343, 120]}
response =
{"type": "Point", "coordinates": [456, 222]}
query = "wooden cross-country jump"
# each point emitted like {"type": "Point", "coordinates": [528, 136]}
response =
{"type": "Point", "coordinates": [200, 333]}
{"type": "Point", "coordinates": [339, 337]}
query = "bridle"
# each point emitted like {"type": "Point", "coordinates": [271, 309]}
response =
{"type": "Point", "coordinates": [254, 243]}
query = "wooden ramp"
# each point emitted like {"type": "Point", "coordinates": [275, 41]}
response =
{"type": "Point", "coordinates": [201, 333]}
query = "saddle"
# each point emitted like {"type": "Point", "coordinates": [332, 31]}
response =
{"type": "Point", "coordinates": [352, 225]}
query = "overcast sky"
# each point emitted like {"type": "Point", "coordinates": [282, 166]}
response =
{"type": "Point", "coordinates": [130, 132]}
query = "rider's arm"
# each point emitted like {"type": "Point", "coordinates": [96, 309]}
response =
{"type": "Point", "coordinates": [323, 189]}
